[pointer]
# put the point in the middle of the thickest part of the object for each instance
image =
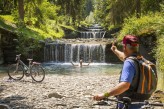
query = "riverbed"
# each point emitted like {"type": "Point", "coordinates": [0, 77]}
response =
{"type": "Point", "coordinates": [62, 90]}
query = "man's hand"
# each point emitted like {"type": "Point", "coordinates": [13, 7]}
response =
{"type": "Point", "coordinates": [113, 48]}
{"type": "Point", "coordinates": [98, 97]}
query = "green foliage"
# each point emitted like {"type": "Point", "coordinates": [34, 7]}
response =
{"type": "Point", "coordinates": [144, 25]}
{"type": "Point", "coordinates": [49, 10]}
{"type": "Point", "coordinates": [151, 5]}
{"type": "Point", "coordinates": [73, 9]}
{"type": "Point", "coordinates": [6, 6]}
{"type": "Point", "coordinates": [89, 20]}
{"type": "Point", "coordinates": [113, 12]}
{"type": "Point", "coordinates": [5, 24]}
{"type": "Point", "coordinates": [160, 53]}
{"type": "Point", "coordinates": [8, 18]}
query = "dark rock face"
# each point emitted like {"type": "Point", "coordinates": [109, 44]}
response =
{"type": "Point", "coordinates": [110, 56]}
{"type": "Point", "coordinates": [1, 53]}
{"type": "Point", "coordinates": [7, 46]}
{"type": "Point", "coordinates": [147, 45]}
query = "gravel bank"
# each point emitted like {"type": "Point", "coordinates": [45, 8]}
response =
{"type": "Point", "coordinates": [59, 92]}
{"type": "Point", "coordinates": [56, 92]}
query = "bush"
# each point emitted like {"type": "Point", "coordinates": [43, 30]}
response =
{"type": "Point", "coordinates": [145, 25]}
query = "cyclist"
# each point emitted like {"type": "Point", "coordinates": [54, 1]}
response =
{"type": "Point", "coordinates": [128, 82]}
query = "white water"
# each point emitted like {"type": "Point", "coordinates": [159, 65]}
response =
{"type": "Point", "coordinates": [74, 52]}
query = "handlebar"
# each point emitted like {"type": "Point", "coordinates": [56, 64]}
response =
{"type": "Point", "coordinates": [17, 57]}
{"type": "Point", "coordinates": [127, 101]}
{"type": "Point", "coordinates": [108, 99]}
{"type": "Point", "coordinates": [147, 103]}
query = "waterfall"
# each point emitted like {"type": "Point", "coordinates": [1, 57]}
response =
{"type": "Point", "coordinates": [92, 34]}
{"type": "Point", "coordinates": [73, 52]}
{"type": "Point", "coordinates": [94, 31]}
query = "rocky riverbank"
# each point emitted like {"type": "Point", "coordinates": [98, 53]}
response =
{"type": "Point", "coordinates": [56, 91]}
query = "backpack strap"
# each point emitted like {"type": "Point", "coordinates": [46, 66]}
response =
{"type": "Point", "coordinates": [136, 78]}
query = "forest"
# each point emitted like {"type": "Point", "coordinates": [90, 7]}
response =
{"type": "Point", "coordinates": [43, 19]}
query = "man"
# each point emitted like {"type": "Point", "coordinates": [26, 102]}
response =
{"type": "Point", "coordinates": [124, 88]}
{"type": "Point", "coordinates": [81, 63]}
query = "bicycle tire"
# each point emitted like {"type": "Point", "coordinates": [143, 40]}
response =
{"type": "Point", "coordinates": [16, 73]}
{"type": "Point", "coordinates": [37, 73]}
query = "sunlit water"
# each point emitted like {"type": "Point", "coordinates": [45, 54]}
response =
{"type": "Point", "coordinates": [93, 68]}
{"type": "Point", "coordinates": [69, 69]}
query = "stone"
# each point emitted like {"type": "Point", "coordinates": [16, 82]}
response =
{"type": "Point", "coordinates": [4, 106]}
{"type": "Point", "coordinates": [55, 95]}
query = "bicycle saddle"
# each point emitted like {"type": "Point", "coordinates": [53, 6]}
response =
{"type": "Point", "coordinates": [36, 63]}
{"type": "Point", "coordinates": [29, 59]}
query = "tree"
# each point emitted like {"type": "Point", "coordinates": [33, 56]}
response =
{"type": "Point", "coordinates": [115, 11]}
{"type": "Point", "coordinates": [138, 8]}
{"type": "Point", "coordinates": [72, 9]}
{"type": "Point", "coordinates": [7, 5]}
{"type": "Point", "coordinates": [21, 10]}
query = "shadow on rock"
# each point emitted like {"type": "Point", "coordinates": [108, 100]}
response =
{"type": "Point", "coordinates": [14, 101]}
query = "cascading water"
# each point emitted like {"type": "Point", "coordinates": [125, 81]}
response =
{"type": "Point", "coordinates": [95, 31]}
{"type": "Point", "coordinates": [74, 52]}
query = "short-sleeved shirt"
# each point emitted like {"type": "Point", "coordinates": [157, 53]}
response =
{"type": "Point", "coordinates": [127, 74]}
{"type": "Point", "coordinates": [128, 71]}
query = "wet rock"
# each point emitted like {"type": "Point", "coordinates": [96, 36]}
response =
{"type": "Point", "coordinates": [55, 95]}
{"type": "Point", "coordinates": [4, 106]}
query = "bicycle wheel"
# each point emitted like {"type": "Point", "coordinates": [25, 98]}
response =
{"type": "Point", "coordinates": [37, 73]}
{"type": "Point", "coordinates": [16, 72]}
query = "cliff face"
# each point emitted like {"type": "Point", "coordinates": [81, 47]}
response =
{"type": "Point", "coordinates": [1, 52]}
{"type": "Point", "coordinates": [147, 46]}
{"type": "Point", "coordinates": [7, 47]}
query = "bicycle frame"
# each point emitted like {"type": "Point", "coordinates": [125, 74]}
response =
{"type": "Point", "coordinates": [24, 65]}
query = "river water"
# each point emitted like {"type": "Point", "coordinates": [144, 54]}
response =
{"type": "Point", "coordinates": [69, 69]}
{"type": "Point", "coordinates": [93, 68]}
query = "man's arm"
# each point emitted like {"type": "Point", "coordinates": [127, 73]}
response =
{"type": "Point", "coordinates": [88, 63]}
{"type": "Point", "coordinates": [117, 90]}
{"type": "Point", "coordinates": [119, 54]}
{"type": "Point", "coordinates": [126, 79]}
{"type": "Point", "coordinates": [73, 64]}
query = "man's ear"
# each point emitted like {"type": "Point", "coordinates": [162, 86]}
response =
{"type": "Point", "coordinates": [129, 46]}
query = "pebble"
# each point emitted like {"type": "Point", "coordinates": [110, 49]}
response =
{"type": "Point", "coordinates": [57, 92]}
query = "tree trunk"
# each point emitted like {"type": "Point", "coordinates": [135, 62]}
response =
{"type": "Point", "coordinates": [21, 9]}
{"type": "Point", "coordinates": [138, 8]}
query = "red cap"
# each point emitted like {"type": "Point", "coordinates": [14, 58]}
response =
{"type": "Point", "coordinates": [129, 39]}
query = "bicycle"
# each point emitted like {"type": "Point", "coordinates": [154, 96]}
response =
{"type": "Point", "coordinates": [34, 69]}
{"type": "Point", "coordinates": [127, 102]}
